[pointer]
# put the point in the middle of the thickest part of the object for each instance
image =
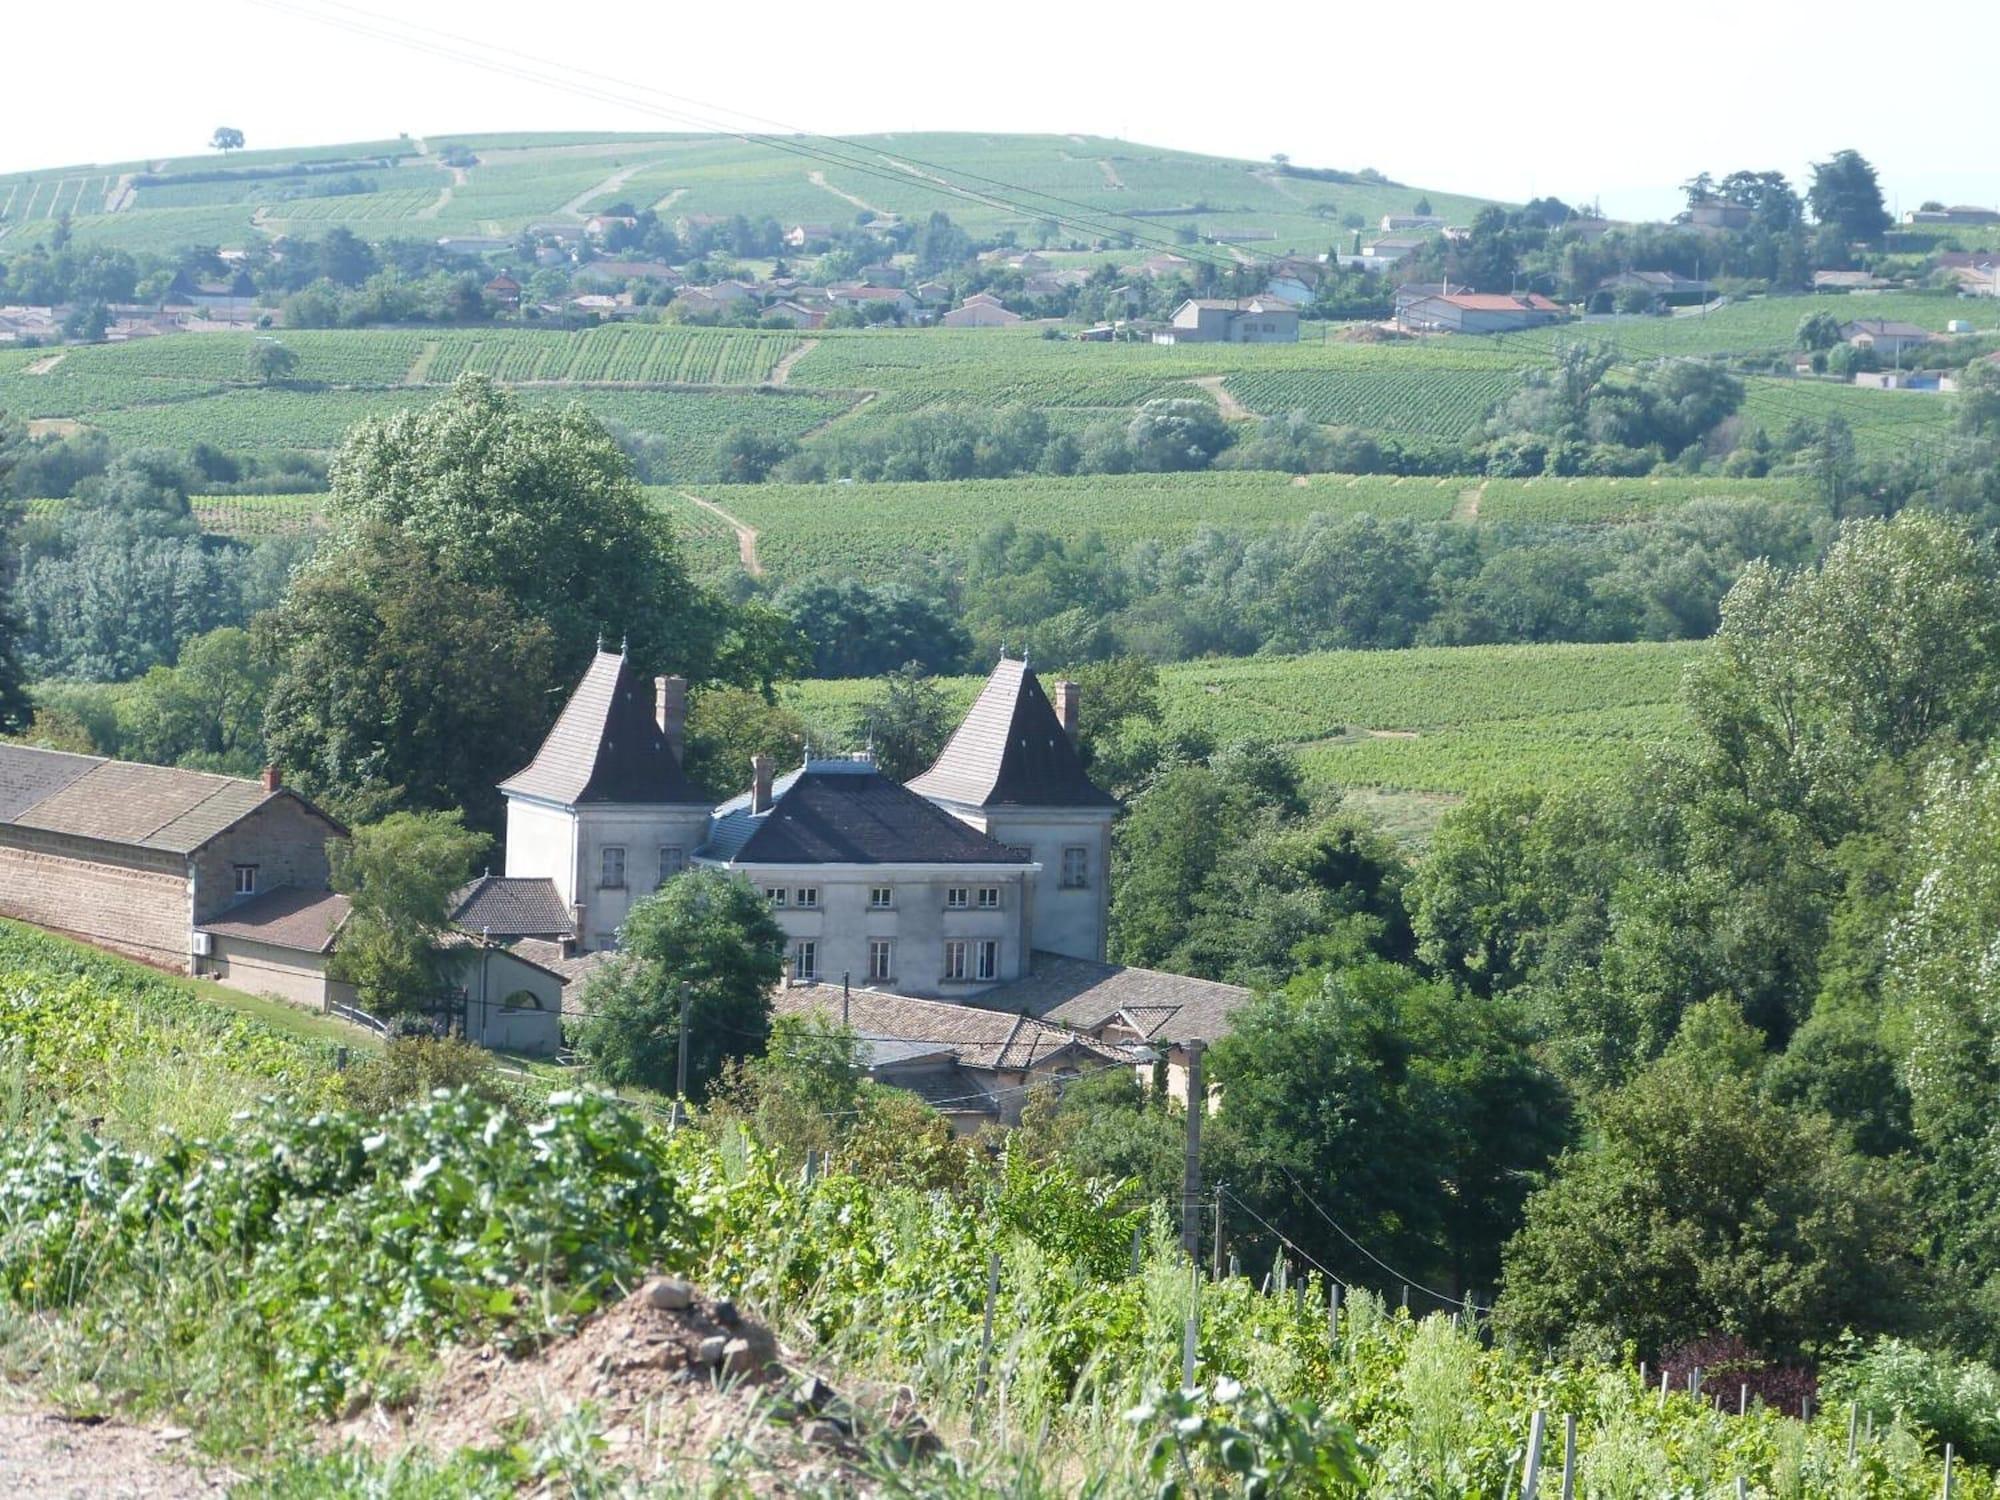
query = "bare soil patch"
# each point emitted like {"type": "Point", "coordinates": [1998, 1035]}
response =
{"type": "Point", "coordinates": [46, 363]}
{"type": "Point", "coordinates": [51, 1457]}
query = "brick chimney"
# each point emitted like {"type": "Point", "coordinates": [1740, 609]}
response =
{"type": "Point", "coordinates": [271, 779]}
{"type": "Point", "coordinates": [1068, 695]}
{"type": "Point", "coordinates": [760, 783]}
{"type": "Point", "coordinates": [670, 708]}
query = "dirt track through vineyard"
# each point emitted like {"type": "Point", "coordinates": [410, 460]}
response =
{"type": "Point", "coordinates": [746, 536]}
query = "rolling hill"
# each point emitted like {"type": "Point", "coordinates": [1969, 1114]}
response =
{"type": "Point", "coordinates": [497, 185]}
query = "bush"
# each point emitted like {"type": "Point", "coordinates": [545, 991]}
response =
{"type": "Point", "coordinates": [412, 1067]}
{"type": "Point", "coordinates": [1956, 1401]}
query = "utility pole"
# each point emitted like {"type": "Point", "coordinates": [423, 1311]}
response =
{"type": "Point", "coordinates": [1191, 1179]}
{"type": "Point", "coordinates": [681, 1070]}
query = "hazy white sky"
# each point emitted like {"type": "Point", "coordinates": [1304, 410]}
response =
{"type": "Point", "coordinates": [1561, 97]}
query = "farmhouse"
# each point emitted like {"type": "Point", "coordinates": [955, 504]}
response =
{"type": "Point", "coordinates": [139, 858]}
{"type": "Point", "coordinates": [1666, 288]}
{"type": "Point", "coordinates": [860, 294]}
{"type": "Point", "coordinates": [1888, 338]}
{"type": "Point", "coordinates": [1958, 213]}
{"type": "Point", "coordinates": [941, 887]}
{"type": "Point", "coordinates": [1392, 248]}
{"type": "Point", "coordinates": [1477, 312]}
{"type": "Point", "coordinates": [796, 315]}
{"type": "Point", "coordinates": [980, 310]}
{"type": "Point", "coordinates": [1715, 215]}
{"type": "Point", "coordinates": [801, 235]}
{"type": "Point", "coordinates": [1222, 320]}
{"type": "Point", "coordinates": [504, 290]}
{"type": "Point", "coordinates": [1848, 281]}
{"type": "Point", "coordinates": [1393, 222]}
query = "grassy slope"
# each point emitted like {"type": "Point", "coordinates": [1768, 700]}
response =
{"type": "Point", "coordinates": [521, 179]}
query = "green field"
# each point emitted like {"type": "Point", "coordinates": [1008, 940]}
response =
{"type": "Point", "coordinates": [517, 180]}
{"type": "Point", "coordinates": [1764, 325]}
{"type": "Point", "coordinates": [1591, 501]}
{"type": "Point", "coordinates": [1884, 422]}
{"type": "Point", "coordinates": [1434, 720]}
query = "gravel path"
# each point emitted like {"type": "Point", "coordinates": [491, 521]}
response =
{"type": "Point", "coordinates": [50, 1458]}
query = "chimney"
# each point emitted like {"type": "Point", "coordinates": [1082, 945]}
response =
{"type": "Point", "coordinates": [271, 779]}
{"type": "Point", "coordinates": [1068, 695]}
{"type": "Point", "coordinates": [760, 783]}
{"type": "Point", "coordinates": [670, 708]}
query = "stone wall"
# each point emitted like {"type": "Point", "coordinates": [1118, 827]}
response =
{"type": "Point", "coordinates": [284, 838]}
{"type": "Point", "coordinates": [133, 900]}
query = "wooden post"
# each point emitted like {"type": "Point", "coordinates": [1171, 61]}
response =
{"type": "Point", "coordinates": [1853, 1428]}
{"type": "Point", "coordinates": [1743, 1399]}
{"type": "Point", "coordinates": [1531, 1467]}
{"type": "Point", "coordinates": [1406, 1296]}
{"type": "Point", "coordinates": [1191, 1335]}
{"type": "Point", "coordinates": [1663, 1390]}
{"type": "Point", "coordinates": [1235, 1266]}
{"type": "Point", "coordinates": [1805, 1409]}
{"type": "Point", "coordinates": [1216, 1273]}
{"type": "Point", "coordinates": [1333, 1313]}
{"type": "Point", "coordinates": [1191, 1169]}
{"type": "Point", "coordinates": [1742, 1488]}
{"type": "Point", "coordinates": [1694, 1382]}
{"type": "Point", "coordinates": [986, 1334]}
{"type": "Point", "coordinates": [1947, 1471]}
{"type": "Point", "coordinates": [1137, 1236]}
{"type": "Point", "coordinates": [1569, 1457]}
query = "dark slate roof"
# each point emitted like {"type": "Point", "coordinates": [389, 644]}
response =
{"type": "Point", "coordinates": [606, 746]}
{"type": "Point", "coordinates": [289, 917]}
{"type": "Point", "coordinates": [1109, 1000]}
{"type": "Point", "coordinates": [121, 801]}
{"type": "Point", "coordinates": [1011, 750]}
{"type": "Point", "coordinates": [511, 906]}
{"type": "Point", "coordinates": [848, 812]}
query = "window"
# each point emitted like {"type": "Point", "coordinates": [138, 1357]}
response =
{"type": "Point", "coordinates": [522, 1000]}
{"type": "Point", "coordinates": [1075, 867]}
{"type": "Point", "coordinates": [955, 898]}
{"type": "Point", "coordinates": [246, 880]}
{"type": "Point", "coordinates": [672, 862]}
{"type": "Point", "coordinates": [881, 897]}
{"type": "Point", "coordinates": [806, 898]}
{"type": "Point", "coordinates": [989, 898]}
{"type": "Point", "coordinates": [775, 894]}
{"type": "Point", "coordinates": [954, 959]}
{"type": "Point", "coordinates": [805, 961]}
{"type": "Point", "coordinates": [881, 958]}
{"type": "Point", "coordinates": [614, 868]}
{"type": "Point", "coordinates": [986, 952]}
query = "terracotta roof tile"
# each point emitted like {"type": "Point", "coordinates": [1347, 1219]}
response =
{"type": "Point", "coordinates": [1089, 996]}
{"type": "Point", "coordinates": [511, 906]}
{"type": "Point", "coordinates": [305, 921]}
{"type": "Point", "coordinates": [122, 802]}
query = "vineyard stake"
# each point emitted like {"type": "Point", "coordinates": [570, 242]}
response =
{"type": "Point", "coordinates": [1663, 1390]}
{"type": "Point", "coordinates": [1191, 1335]}
{"type": "Point", "coordinates": [1136, 1235]}
{"type": "Point", "coordinates": [1235, 1266]}
{"type": "Point", "coordinates": [1215, 1273]}
{"type": "Point", "coordinates": [1853, 1427]}
{"type": "Point", "coordinates": [986, 1337]}
{"type": "Point", "coordinates": [1947, 1471]}
{"type": "Point", "coordinates": [1333, 1313]}
{"type": "Point", "coordinates": [1743, 1400]}
{"type": "Point", "coordinates": [1191, 1169]}
{"type": "Point", "coordinates": [1569, 1457]}
{"type": "Point", "coordinates": [1531, 1467]}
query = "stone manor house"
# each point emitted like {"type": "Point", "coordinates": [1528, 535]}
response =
{"type": "Point", "coordinates": [956, 922]}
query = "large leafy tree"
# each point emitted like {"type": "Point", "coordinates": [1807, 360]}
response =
{"type": "Point", "coordinates": [707, 931]}
{"type": "Point", "coordinates": [1366, 1099]}
{"type": "Point", "coordinates": [537, 503]}
{"type": "Point", "coordinates": [1846, 195]}
{"type": "Point", "coordinates": [403, 686]}
{"type": "Point", "coordinates": [399, 875]}
{"type": "Point", "coordinates": [1704, 1207]}
{"type": "Point", "coordinates": [905, 721]}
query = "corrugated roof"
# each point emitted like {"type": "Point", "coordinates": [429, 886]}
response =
{"type": "Point", "coordinates": [511, 906]}
{"type": "Point", "coordinates": [1011, 750]}
{"type": "Point", "coordinates": [305, 921]}
{"type": "Point", "coordinates": [847, 812]}
{"type": "Point", "coordinates": [1079, 993]}
{"type": "Point", "coordinates": [606, 746]}
{"type": "Point", "coordinates": [121, 802]}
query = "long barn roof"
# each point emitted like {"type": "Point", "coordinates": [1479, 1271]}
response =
{"type": "Point", "coordinates": [123, 802]}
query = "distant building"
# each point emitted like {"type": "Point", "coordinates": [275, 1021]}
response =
{"type": "Point", "coordinates": [1667, 288]}
{"type": "Point", "coordinates": [604, 223]}
{"type": "Point", "coordinates": [619, 271]}
{"type": "Point", "coordinates": [796, 315]}
{"type": "Point", "coordinates": [801, 235]}
{"type": "Point", "coordinates": [1719, 214]}
{"type": "Point", "coordinates": [1222, 320]}
{"type": "Point", "coordinates": [472, 246]}
{"type": "Point", "coordinates": [1393, 222]}
{"type": "Point", "coordinates": [504, 290]}
{"type": "Point", "coordinates": [1849, 281]}
{"type": "Point", "coordinates": [1889, 339]}
{"type": "Point", "coordinates": [853, 295]}
{"type": "Point", "coordinates": [1478, 312]}
{"type": "Point", "coordinates": [1961, 213]}
{"type": "Point", "coordinates": [932, 292]}
{"type": "Point", "coordinates": [1393, 247]}
{"type": "Point", "coordinates": [980, 310]}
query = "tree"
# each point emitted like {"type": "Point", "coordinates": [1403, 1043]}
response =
{"type": "Point", "coordinates": [1705, 1207]}
{"type": "Point", "coordinates": [87, 322]}
{"type": "Point", "coordinates": [399, 685]}
{"type": "Point", "coordinates": [1817, 331]}
{"type": "Point", "coordinates": [704, 930]}
{"type": "Point", "coordinates": [905, 721]}
{"type": "Point", "coordinates": [205, 711]}
{"type": "Point", "coordinates": [536, 503]}
{"type": "Point", "coordinates": [399, 875]}
{"type": "Point", "coordinates": [227, 138]}
{"type": "Point", "coordinates": [1366, 1096]}
{"type": "Point", "coordinates": [1172, 434]}
{"type": "Point", "coordinates": [1845, 194]}
{"type": "Point", "coordinates": [268, 361]}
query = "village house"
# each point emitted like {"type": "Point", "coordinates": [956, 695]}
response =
{"type": "Point", "coordinates": [1477, 312]}
{"type": "Point", "coordinates": [472, 246]}
{"type": "Point", "coordinates": [1393, 222]}
{"type": "Point", "coordinates": [860, 295]}
{"type": "Point", "coordinates": [796, 315]}
{"type": "Point", "coordinates": [1164, 264]}
{"type": "Point", "coordinates": [503, 291]}
{"type": "Point", "coordinates": [801, 235]}
{"type": "Point", "coordinates": [1889, 339]}
{"type": "Point", "coordinates": [618, 272]}
{"type": "Point", "coordinates": [1392, 248]}
{"type": "Point", "coordinates": [719, 298]}
{"type": "Point", "coordinates": [1959, 213]}
{"type": "Point", "coordinates": [1664, 288]}
{"type": "Point", "coordinates": [601, 224]}
{"type": "Point", "coordinates": [933, 292]}
{"type": "Point", "coordinates": [1223, 320]}
{"type": "Point", "coordinates": [1849, 281]}
{"type": "Point", "coordinates": [980, 310]}
{"type": "Point", "coordinates": [1719, 215]}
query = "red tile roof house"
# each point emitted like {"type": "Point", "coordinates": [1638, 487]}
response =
{"type": "Point", "coordinates": [1478, 312]}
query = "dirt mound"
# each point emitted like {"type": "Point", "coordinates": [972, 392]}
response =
{"type": "Point", "coordinates": [668, 1377]}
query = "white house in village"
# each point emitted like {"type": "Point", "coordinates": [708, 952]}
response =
{"type": "Point", "coordinates": [944, 887]}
